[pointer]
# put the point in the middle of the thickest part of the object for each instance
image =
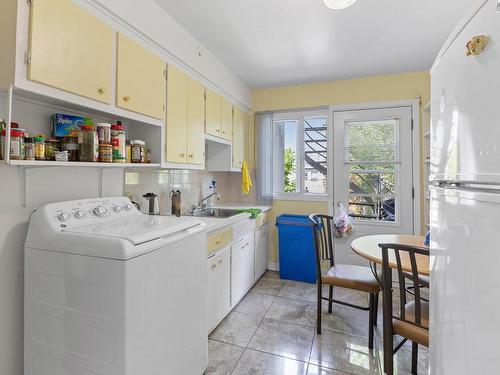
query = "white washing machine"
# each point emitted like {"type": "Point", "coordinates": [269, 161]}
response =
{"type": "Point", "coordinates": [111, 291]}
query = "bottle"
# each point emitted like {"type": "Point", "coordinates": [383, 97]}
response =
{"type": "Point", "coordinates": [176, 202]}
{"type": "Point", "coordinates": [118, 141]}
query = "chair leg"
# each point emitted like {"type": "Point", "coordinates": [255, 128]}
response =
{"type": "Point", "coordinates": [318, 308]}
{"type": "Point", "coordinates": [375, 317]}
{"type": "Point", "coordinates": [371, 318]}
{"type": "Point", "coordinates": [414, 358]}
{"type": "Point", "coordinates": [330, 297]}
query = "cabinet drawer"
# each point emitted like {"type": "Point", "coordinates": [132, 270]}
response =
{"type": "Point", "coordinates": [261, 219]}
{"type": "Point", "coordinates": [219, 240]}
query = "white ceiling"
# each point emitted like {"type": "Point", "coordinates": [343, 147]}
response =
{"type": "Point", "coordinates": [280, 42]}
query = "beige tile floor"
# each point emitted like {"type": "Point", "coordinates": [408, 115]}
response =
{"type": "Point", "coordinates": [272, 331]}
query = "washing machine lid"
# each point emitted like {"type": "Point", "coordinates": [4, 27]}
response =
{"type": "Point", "coordinates": [138, 229]}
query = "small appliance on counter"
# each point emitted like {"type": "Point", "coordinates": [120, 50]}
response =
{"type": "Point", "coordinates": [149, 204]}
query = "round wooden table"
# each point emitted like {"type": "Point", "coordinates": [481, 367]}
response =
{"type": "Point", "coordinates": [367, 247]}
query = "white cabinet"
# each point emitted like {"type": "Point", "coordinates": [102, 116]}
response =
{"type": "Point", "coordinates": [261, 251]}
{"type": "Point", "coordinates": [242, 267]}
{"type": "Point", "coordinates": [219, 279]}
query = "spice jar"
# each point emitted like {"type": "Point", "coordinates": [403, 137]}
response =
{"type": "Point", "coordinates": [70, 144]}
{"type": "Point", "coordinates": [118, 142]}
{"type": "Point", "coordinates": [29, 148]}
{"type": "Point", "coordinates": [104, 132]}
{"type": "Point", "coordinates": [128, 152]}
{"type": "Point", "coordinates": [51, 146]}
{"type": "Point", "coordinates": [138, 151]}
{"type": "Point", "coordinates": [40, 147]}
{"type": "Point", "coordinates": [105, 153]}
{"type": "Point", "coordinates": [16, 144]}
{"type": "Point", "coordinates": [88, 144]}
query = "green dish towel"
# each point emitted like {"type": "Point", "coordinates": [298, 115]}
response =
{"type": "Point", "coordinates": [253, 211]}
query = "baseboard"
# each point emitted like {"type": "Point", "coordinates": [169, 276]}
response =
{"type": "Point", "coordinates": [273, 266]}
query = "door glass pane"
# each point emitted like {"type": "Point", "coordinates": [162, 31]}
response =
{"type": "Point", "coordinates": [286, 133]}
{"type": "Point", "coordinates": [315, 155]}
{"type": "Point", "coordinates": [372, 162]}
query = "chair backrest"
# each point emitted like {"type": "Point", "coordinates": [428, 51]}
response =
{"type": "Point", "coordinates": [405, 258]}
{"type": "Point", "coordinates": [323, 232]}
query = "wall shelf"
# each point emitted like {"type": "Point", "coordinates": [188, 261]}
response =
{"type": "Point", "coordinates": [47, 163]}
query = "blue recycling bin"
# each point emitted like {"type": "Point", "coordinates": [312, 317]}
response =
{"type": "Point", "coordinates": [296, 248]}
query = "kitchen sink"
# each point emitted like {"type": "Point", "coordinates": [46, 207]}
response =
{"type": "Point", "coordinates": [221, 213]}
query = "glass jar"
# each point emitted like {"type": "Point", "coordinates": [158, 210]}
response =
{"type": "Point", "coordinates": [104, 132]}
{"type": "Point", "coordinates": [51, 146]}
{"type": "Point", "coordinates": [16, 144]}
{"type": "Point", "coordinates": [118, 142]}
{"type": "Point", "coordinates": [138, 151]}
{"type": "Point", "coordinates": [40, 147]}
{"type": "Point", "coordinates": [70, 144]}
{"type": "Point", "coordinates": [128, 152]}
{"type": "Point", "coordinates": [88, 144]}
{"type": "Point", "coordinates": [105, 152]}
{"type": "Point", "coordinates": [29, 148]}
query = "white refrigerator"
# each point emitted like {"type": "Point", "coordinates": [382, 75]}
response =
{"type": "Point", "coordinates": [465, 198]}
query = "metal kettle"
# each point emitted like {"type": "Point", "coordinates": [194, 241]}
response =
{"type": "Point", "coordinates": [150, 204]}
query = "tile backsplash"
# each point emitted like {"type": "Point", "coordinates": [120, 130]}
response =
{"type": "Point", "coordinates": [194, 185]}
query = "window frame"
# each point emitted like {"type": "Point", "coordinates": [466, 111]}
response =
{"type": "Point", "coordinates": [300, 195]}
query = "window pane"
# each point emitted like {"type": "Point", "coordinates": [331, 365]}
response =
{"type": "Point", "coordinates": [372, 208]}
{"type": "Point", "coordinates": [372, 141]}
{"type": "Point", "coordinates": [287, 143]}
{"type": "Point", "coordinates": [372, 182]}
{"type": "Point", "coordinates": [315, 155]}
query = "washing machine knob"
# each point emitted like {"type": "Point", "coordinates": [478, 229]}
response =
{"type": "Point", "coordinates": [79, 214]}
{"type": "Point", "coordinates": [127, 207]}
{"type": "Point", "coordinates": [100, 211]}
{"type": "Point", "coordinates": [63, 216]}
{"type": "Point", "coordinates": [117, 209]}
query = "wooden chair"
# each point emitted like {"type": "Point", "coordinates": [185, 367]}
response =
{"type": "Point", "coordinates": [412, 320]}
{"type": "Point", "coordinates": [342, 275]}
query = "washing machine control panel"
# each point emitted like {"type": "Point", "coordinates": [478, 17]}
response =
{"type": "Point", "coordinates": [90, 211]}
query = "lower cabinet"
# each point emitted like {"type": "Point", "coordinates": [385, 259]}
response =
{"type": "Point", "coordinates": [219, 287]}
{"type": "Point", "coordinates": [261, 251]}
{"type": "Point", "coordinates": [242, 267]}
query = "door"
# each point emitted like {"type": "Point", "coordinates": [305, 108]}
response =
{"type": "Point", "coordinates": [196, 123]}
{"type": "Point", "coordinates": [213, 113]}
{"type": "Point", "coordinates": [219, 288]}
{"type": "Point", "coordinates": [140, 79]}
{"type": "Point", "coordinates": [177, 115]}
{"type": "Point", "coordinates": [261, 251]}
{"type": "Point", "coordinates": [242, 267]}
{"type": "Point", "coordinates": [71, 49]}
{"type": "Point", "coordinates": [238, 137]}
{"type": "Point", "coordinates": [226, 120]}
{"type": "Point", "coordinates": [373, 174]}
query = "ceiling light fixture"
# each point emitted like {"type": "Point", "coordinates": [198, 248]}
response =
{"type": "Point", "coordinates": [339, 4]}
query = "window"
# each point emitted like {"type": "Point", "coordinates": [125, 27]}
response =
{"type": "Point", "coordinates": [301, 154]}
{"type": "Point", "coordinates": [372, 165]}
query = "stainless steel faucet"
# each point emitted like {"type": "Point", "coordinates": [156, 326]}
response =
{"type": "Point", "coordinates": [201, 205]}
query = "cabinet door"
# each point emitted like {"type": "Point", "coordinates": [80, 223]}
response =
{"type": "Point", "coordinates": [261, 251]}
{"type": "Point", "coordinates": [140, 79]}
{"type": "Point", "coordinates": [71, 49]}
{"type": "Point", "coordinates": [177, 116]}
{"type": "Point", "coordinates": [226, 120]}
{"type": "Point", "coordinates": [218, 271]}
{"type": "Point", "coordinates": [213, 113]}
{"type": "Point", "coordinates": [242, 268]}
{"type": "Point", "coordinates": [196, 123]}
{"type": "Point", "coordinates": [238, 137]}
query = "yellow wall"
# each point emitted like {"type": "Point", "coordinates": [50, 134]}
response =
{"type": "Point", "coordinates": [359, 90]}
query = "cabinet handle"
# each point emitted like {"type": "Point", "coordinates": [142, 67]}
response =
{"type": "Point", "coordinates": [126, 98]}
{"type": "Point", "coordinates": [101, 90]}
{"type": "Point", "coordinates": [223, 132]}
{"type": "Point", "coordinates": [182, 155]}
{"type": "Point", "coordinates": [217, 130]}
{"type": "Point", "coordinates": [190, 155]}
{"type": "Point", "coordinates": [214, 265]}
{"type": "Point", "coordinates": [220, 261]}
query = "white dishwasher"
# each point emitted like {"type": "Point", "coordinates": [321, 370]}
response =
{"type": "Point", "coordinates": [111, 291]}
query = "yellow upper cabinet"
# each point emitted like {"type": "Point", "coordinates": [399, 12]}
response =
{"type": "Point", "coordinates": [239, 126]}
{"type": "Point", "coordinates": [227, 120]}
{"type": "Point", "coordinates": [71, 49]}
{"type": "Point", "coordinates": [213, 113]}
{"type": "Point", "coordinates": [196, 123]}
{"type": "Point", "coordinates": [177, 115]}
{"type": "Point", "coordinates": [140, 79]}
